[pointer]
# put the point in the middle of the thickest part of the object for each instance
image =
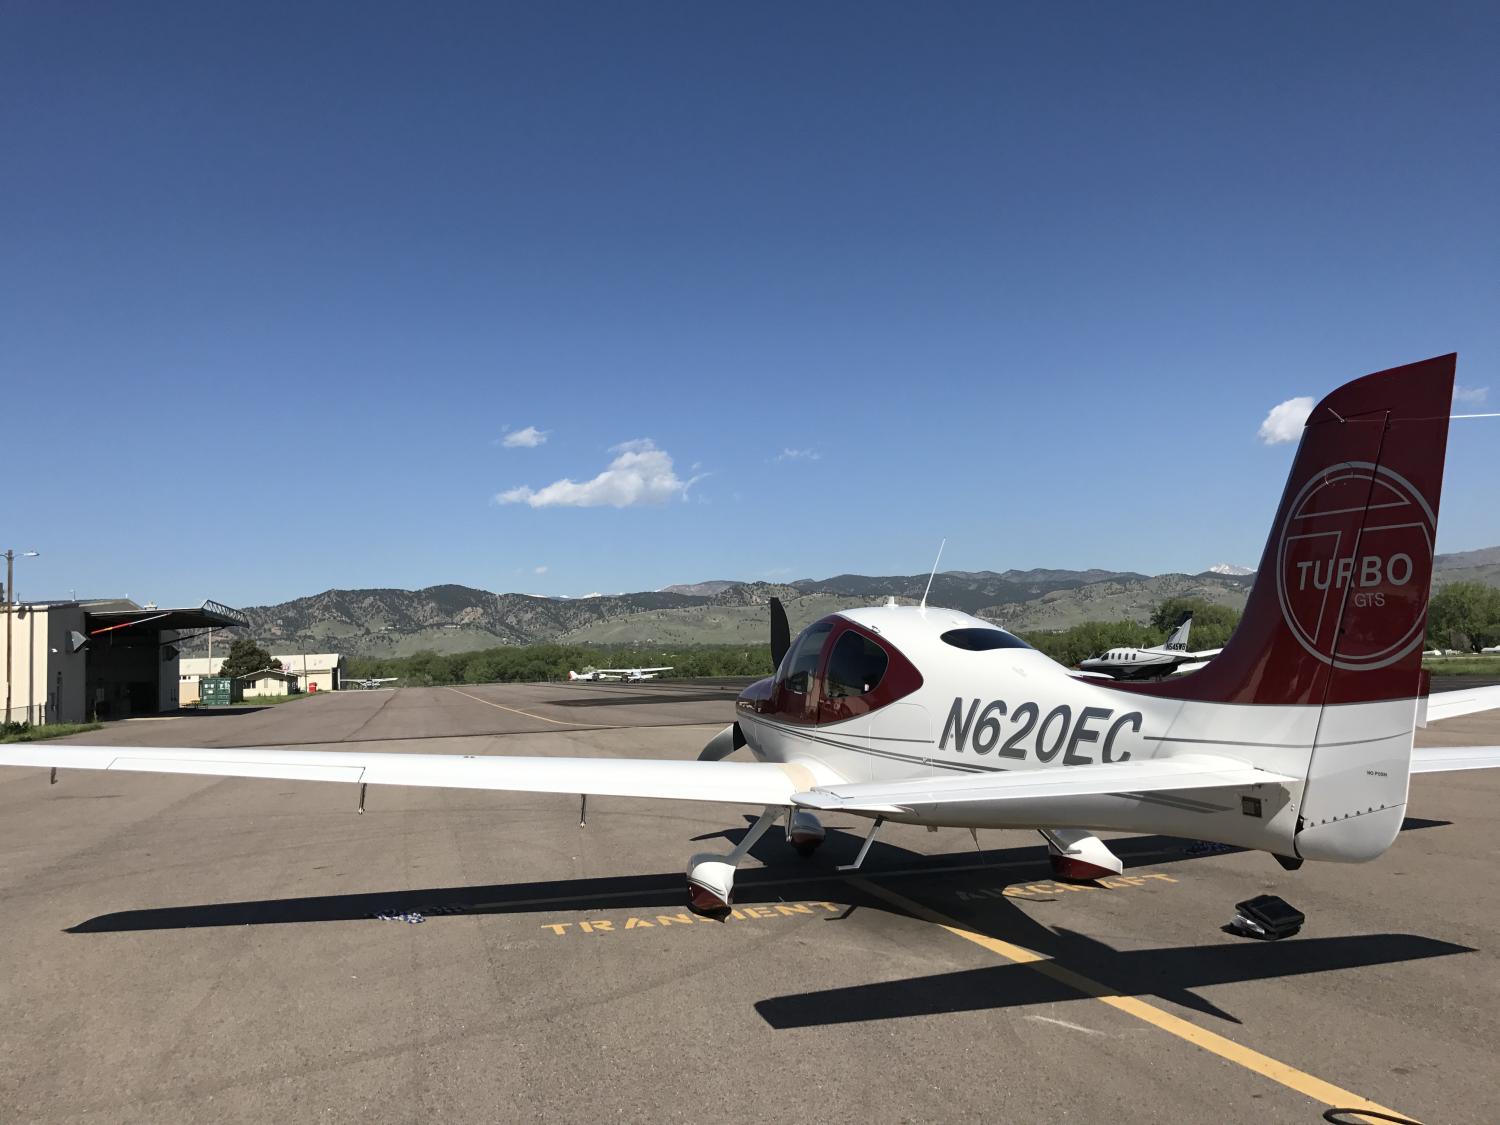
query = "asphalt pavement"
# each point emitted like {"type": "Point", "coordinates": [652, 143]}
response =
{"type": "Point", "coordinates": [202, 949]}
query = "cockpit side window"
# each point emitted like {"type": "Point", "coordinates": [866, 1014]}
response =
{"type": "Point", "coordinates": [855, 666]}
{"type": "Point", "coordinates": [800, 664]}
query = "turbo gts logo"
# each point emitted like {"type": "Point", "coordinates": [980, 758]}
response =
{"type": "Point", "coordinates": [979, 730]}
{"type": "Point", "coordinates": [1352, 563]}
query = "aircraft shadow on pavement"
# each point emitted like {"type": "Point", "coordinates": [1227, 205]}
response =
{"type": "Point", "coordinates": [1168, 974]}
{"type": "Point", "coordinates": [783, 877]}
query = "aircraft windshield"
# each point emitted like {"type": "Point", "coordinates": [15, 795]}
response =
{"type": "Point", "coordinates": [801, 663]}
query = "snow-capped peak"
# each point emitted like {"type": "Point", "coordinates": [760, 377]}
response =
{"type": "Point", "coordinates": [1232, 569]}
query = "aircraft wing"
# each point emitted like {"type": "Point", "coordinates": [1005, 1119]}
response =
{"type": "Point", "coordinates": [627, 671]}
{"type": "Point", "coordinates": [1203, 654]}
{"type": "Point", "coordinates": [1442, 705]}
{"type": "Point", "coordinates": [1119, 779]}
{"type": "Point", "coordinates": [1440, 759]}
{"type": "Point", "coordinates": [737, 783]}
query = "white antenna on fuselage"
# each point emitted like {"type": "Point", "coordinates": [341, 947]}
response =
{"type": "Point", "coordinates": [933, 575]}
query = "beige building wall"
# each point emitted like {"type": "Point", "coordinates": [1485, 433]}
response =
{"type": "Point", "coordinates": [266, 686]}
{"type": "Point", "coordinates": [46, 679]}
{"type": "Point", "coordinates": [324, 670]}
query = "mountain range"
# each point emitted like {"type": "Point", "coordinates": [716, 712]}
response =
{"type": "Point", "coordinates": [452, 618]}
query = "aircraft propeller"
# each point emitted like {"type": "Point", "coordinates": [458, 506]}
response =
{"type": "Point", "coordinates": [731, 738]}
{"type": "Point", "coordinates": [781, 632]}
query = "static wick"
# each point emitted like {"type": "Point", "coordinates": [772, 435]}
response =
{"type": "Point", "coordinates": [583, 810]}
{"type": "Point", "coordinates": [53, 779]}
{"type": "Point", "coordinates": [362, 787]}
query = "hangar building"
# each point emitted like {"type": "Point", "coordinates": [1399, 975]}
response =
{"type": "Point", "coordinates": [74, 661]}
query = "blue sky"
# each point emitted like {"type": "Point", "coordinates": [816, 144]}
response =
{"type": "Point", "coordinates": [278, 280]}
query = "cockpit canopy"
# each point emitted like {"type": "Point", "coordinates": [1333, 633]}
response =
{"type": "Point", "coordinates": [836, 670]}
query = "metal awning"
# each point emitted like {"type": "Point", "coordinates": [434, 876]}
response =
{"type": "Point", "coordinates": [210, 615]}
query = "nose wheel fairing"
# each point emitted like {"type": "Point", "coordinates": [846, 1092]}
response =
{"type": "Point", "coordinates": [710, 875]}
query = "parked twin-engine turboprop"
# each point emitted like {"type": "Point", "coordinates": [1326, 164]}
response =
{"type": "Point", "coordinates": [1296, 740]}
{"type": "Point", "coordinates": [1126, 663]}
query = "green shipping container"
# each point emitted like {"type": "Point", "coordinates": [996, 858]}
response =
{"type": "Point", "coordinates": [219, 691]}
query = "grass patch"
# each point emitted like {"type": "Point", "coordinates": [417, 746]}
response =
{"type": "Point", "coordinates": [25, 732]}
{"type": "Point", "coordinates": [1463, 665]}
{"type": "Point", "coordinates": [252, 701]}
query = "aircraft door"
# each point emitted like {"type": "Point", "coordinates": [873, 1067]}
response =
{"type": "Point", "coordinates": [794, 694]}
{"type": "Point", "coordinates": [863, 679]}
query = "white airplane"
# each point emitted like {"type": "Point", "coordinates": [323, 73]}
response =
{"type": "Point", "coordinates": [1151, 663]}
{"type": "Point", "coordinates": [1296, 740]}
{"type": "Point", "coordinates": [629, 675]}
{"type": "Point", "coordinates": [370, 682]}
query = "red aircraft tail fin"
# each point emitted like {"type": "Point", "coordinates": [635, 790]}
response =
{"type": "Point", "coordinates": [1338, 613]}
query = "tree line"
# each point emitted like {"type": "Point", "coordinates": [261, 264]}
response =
{"type": "Point", "coordinates": [534, 663]}
{"type": "Point", "coordinates": [1463, 615]}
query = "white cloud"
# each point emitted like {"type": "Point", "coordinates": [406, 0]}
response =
{"type": "Point", "coordinates": [529, 438]}
{"type": "Point", "coordinates": [539, 570]}
{"type": "Point", "coordinates": [1285, 421]}
{"type": "Point", "coordinates": [640, 475]}
{"type": "Point", "coordinates": [1470, 396]}
{"type": "Point", "coordinates": [798, 455]}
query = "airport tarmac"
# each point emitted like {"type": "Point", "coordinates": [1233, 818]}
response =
{"type": "Point", "coordinates": [202, 949]}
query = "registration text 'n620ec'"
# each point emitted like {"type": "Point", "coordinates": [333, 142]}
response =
{"type": "Point", "coordinates": [980, 727]}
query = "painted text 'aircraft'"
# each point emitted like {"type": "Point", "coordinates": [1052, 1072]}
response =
{"type": "Point", "coordinates": [1296, 740]}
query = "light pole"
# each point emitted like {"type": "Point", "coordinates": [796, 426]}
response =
{"type": "Point", "coordinates": [10, 611]}
{"type": "Point", "coordinates": [302, 639]}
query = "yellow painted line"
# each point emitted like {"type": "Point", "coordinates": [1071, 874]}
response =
{"type": "Point", "coordinates": [1264, 1065]}
{"type": "Point", "coordinates": [513, 710]}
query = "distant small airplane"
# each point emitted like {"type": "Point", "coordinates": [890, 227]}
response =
{"type": "Point", "coordinates": [629, 675]}
{"type": "Point", "coordinates": [1151, 663]}
{"type": "Point", "coordinates": [370, 682]}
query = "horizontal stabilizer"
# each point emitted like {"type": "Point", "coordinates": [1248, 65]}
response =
{"type": "Point", "coordinates": [737, 783]}
{"type": "Point", "coordinates": [1191, 666]}
{"type": "Point", "coordinates": [1117, 779]}
{"type": "Point", "coordinates": [1441, 759]}
{"type": "Point", "coordinates": [1442, 705]}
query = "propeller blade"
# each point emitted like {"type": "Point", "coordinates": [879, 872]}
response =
{"type": "Point", "coordinates": [781, 632]}
{"type": "Point", "coordinates": [723, 744]}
